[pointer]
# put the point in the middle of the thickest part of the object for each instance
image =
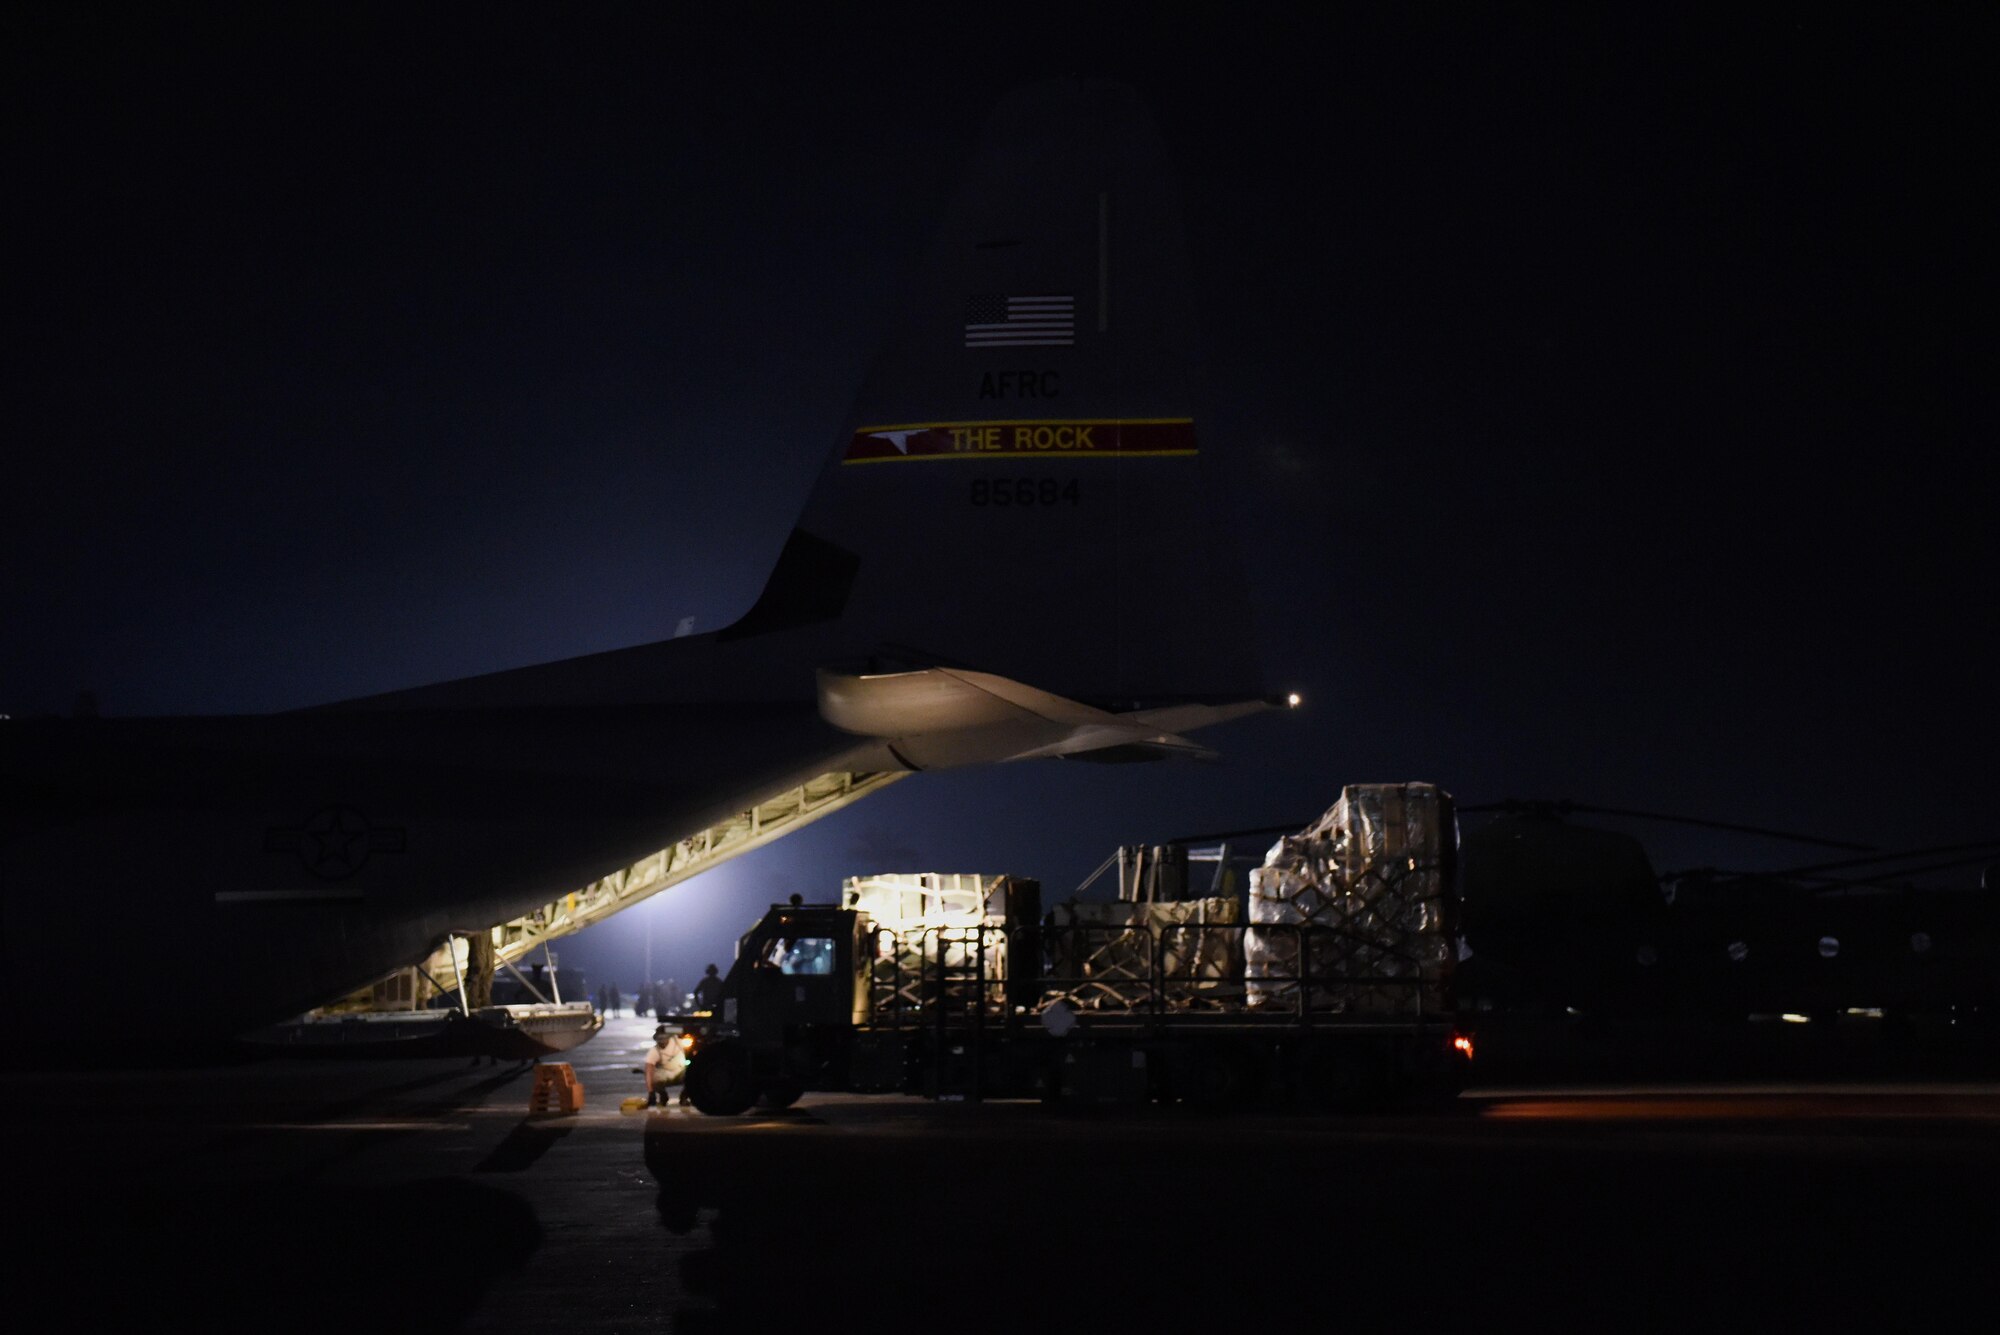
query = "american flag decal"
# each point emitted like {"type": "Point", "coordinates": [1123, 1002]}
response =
{"type": "Point", "coordinates": [1020, 322]}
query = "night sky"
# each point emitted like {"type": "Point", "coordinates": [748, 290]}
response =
{"type": "Point", "coordinates": [1608, 398]}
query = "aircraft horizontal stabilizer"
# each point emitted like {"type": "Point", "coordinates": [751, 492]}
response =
{"type": "Point", "coordinates": [942, 717]}
{"type": "Point", "coordinates": [1124, 743]}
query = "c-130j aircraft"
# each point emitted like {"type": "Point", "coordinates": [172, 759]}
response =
{"type": "Point", "coordinates": [1012, 553]}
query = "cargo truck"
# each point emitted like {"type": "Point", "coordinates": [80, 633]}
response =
{"type": "Point", "coordinates": [1327, 986]}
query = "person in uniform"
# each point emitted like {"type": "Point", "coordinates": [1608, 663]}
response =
{"type": "Point", "coordinates": [708, 992]}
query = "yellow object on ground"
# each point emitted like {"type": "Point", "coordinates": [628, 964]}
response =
{"type": "Point", "coordinates": [632, 1103]}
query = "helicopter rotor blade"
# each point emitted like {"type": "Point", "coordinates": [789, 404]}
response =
{"type": "Point", "coordinates": [1844, 863]}
{"type": "Point", "coordinates": [1564, 807]}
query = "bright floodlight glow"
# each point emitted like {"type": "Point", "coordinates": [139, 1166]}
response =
{"type": "Point", "coordinates": [1790, 1018]}
{"type": "Point", "coordinates": [1292, 700]}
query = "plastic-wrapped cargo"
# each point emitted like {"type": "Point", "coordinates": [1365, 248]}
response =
{"type": "Point", "coordinates": [1375, 872]}
{"type": "Point", "coordinates": [926, 921]}
{"type": "Point", "coordinates": [1101, 955]}
{"type": "Point", "coordinates": [903, 900]}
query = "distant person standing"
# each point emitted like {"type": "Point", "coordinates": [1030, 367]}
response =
{"type": "Point", "coordinates": [644, 1001]}
{"type": "Point", "coordinates": [616, 1001]}
{"type": "Point", "coordinates": [671, 995]}
{"type": "Point", "coordinates": [602, 997]}
{"type": "Point", "coordinates": [708, 992]}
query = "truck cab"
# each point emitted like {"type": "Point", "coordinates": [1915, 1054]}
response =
{"type": "Point", "coordinates": [789, 1007]}
{"type": "Point", "coordinates": [802, 964]}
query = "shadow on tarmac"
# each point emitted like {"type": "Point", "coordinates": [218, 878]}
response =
{"type": "Point", "coordinates": [309, 1257]}
{"type": "Point", "coordinates": [1162, 1224]}
{"type": "Point", "coordinates": [115, 1229]}
{"type": "Point", "coordinates": [527, 1142]}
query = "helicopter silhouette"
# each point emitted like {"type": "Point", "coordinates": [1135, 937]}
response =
{"type": "Point", "coordinates": [1563, 919]}
{"type": "Point", "coordinates": [1562, 915]}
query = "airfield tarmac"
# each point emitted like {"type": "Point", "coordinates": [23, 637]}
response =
{"type": "Point", "coordinates": [420, 1195]}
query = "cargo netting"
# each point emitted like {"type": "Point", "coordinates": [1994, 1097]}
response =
{"type": "Point", "coordinates": [1373, 875]}
{"type": "Point", "coordinates": [937, 936]}
{"type": "Point", "coordinates": [1101, 956]}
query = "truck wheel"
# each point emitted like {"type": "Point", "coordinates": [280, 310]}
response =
{"type": "Point", "coordinates": [1049, 1086]}
{"type": "Point", "coordinates": [1350, 1081]}
{"type": "Point", "coordinates": [1219, 1076]}
{"type": "Point", "coordinates": [718, 1082]}
{"type": "Point", "coordinates": [780, 1094]}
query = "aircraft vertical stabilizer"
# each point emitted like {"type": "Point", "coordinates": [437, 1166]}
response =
{"type": "Point", "coordinates": [1024, 487]}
